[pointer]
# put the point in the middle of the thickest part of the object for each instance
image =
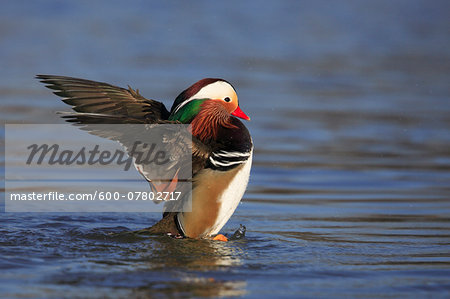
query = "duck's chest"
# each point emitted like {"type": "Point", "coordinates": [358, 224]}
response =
{"type": "Point", "coordinates": [214, 199]}
{"type": "Point", "coordinates": [229, 199]}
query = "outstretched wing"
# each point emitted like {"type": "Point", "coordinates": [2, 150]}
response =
{"type": "Point", "coordinates": [104, 102]}
{"type": "Point", "coordinates": [183, 155]}
{"type": "Point", "coordinates": [98, 105]}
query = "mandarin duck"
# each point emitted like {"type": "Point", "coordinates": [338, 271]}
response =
{"type": "Point", "coordinates": [221, 145]}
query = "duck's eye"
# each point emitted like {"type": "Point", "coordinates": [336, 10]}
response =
{"type": "Point", "coordinates": [227, 99]}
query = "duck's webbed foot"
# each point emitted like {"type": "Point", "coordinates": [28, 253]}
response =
{"type": "Point", "coordinates": [220, 237]}
{"type": "Point", "coordinates": [238, 234]}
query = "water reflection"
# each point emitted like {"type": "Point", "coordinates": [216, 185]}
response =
{"type": "Point", "coordinates": [194, 264]}
{"type": "Point", "coordinates": [192, 254]}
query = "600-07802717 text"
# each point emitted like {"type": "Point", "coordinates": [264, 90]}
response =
{"type": "Point", "coordinates": [103, 195]}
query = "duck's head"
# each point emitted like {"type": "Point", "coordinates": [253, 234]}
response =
{"type": "Point", "coordinates": [216, 96]}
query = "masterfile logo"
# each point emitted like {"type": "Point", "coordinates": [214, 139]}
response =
{"type": "Point", "coordinates": [98, 167]}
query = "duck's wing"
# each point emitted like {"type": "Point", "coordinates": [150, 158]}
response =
{"type": "Point", "coordinates": [97, 105]}
{"type": "Point", "coordinates": [103, 102]}
{"type": "Point", "coordinates": [166, 155]}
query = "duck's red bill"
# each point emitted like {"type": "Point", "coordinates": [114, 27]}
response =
{"type": "Point", "coordinates": [239, 113]}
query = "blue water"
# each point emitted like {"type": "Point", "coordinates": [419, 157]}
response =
{"type": "Point", "coordinates": [349, 193]}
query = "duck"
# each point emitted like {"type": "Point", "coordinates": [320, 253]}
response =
{"type": "Point", "coordinates": [222, 148]}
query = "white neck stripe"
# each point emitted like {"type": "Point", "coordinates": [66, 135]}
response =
{"type": "Point", "coordinates": [231, 154]}
{"type": "Point", "coordinates": [224, 164]}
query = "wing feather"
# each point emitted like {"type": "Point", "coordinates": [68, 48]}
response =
{"type": "Point", "coordinates": [96, 104]}
{"type": "Point", "coordinates": [88, 96]}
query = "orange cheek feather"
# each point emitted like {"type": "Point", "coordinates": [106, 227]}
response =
{"type": "Point", "coordinates": [230, 107]}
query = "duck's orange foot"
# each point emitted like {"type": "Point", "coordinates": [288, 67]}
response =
{"type": "Point", "coordinates": [220, 237]}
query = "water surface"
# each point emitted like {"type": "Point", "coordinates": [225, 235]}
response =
{"type": "Point", "coordinates": [349, 190]}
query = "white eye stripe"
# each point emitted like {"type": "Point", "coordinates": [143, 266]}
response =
{"type": "Point", "coordinates": [216, 90]}
{"type": "Point", "coordinates": [231, 154]}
